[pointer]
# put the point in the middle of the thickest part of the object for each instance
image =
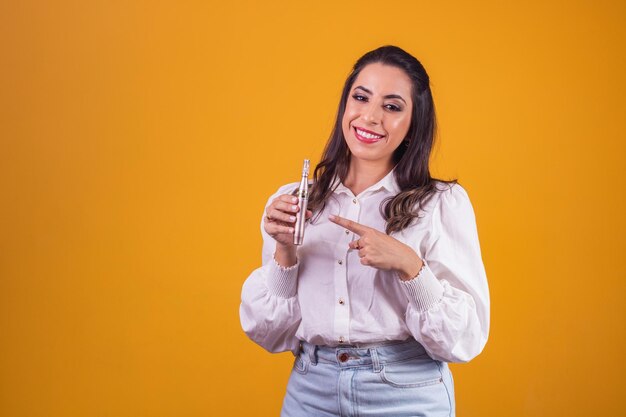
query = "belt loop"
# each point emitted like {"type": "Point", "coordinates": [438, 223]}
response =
{"type": "Point", "coordinates": [375, 360]}
{"type": "Point", "coordinates": [311, 349]}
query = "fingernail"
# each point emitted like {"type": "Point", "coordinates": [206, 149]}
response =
{"type": "Point", "coordinates": [292, 218]}
{"type": "Point", "coordinates": [293, 200]}
{"type": "Point", "coordinates": [294, 208]}
{"type": "Point", "coordinates": [332, 217]}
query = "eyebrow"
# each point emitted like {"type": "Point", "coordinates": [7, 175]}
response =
{"type": "Point", "coordinates": [360, 87]}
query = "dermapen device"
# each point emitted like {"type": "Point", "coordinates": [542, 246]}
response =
{"type": "Point", "coordinates": [303, 199]}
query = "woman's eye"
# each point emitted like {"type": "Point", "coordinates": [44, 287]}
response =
{"type": "Point", "coordinates": [391, 107]}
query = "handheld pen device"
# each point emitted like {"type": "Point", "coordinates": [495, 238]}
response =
{"type": "Point", "coordinates": [303, 199]}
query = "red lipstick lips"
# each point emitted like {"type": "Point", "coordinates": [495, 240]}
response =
{"type": "Point", "coordinates": [367, 139]}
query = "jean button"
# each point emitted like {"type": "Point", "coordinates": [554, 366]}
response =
{"type": "Point", "coordinates": [343, 357]}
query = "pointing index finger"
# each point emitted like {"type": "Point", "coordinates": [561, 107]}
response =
{"type": "Point", "coordinates": [353, 226]}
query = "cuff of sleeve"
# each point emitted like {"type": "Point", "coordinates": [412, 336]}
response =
{"type": "Point", "coordinates": [424, 291]}
{"type": "Point", "coordinates": [282, 281]}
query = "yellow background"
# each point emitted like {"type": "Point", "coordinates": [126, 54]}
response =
{"type": "Point", "coordinates": [140, 140]}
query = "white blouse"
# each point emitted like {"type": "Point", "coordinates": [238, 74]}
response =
{"type": "Point", "coordinates": [329, 298]}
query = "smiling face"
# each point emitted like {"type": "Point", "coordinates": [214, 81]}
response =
{"type": "Point", "coordinates": [378, 113]}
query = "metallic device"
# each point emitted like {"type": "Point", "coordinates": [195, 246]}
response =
{"type": "Point", "coordinates": [303, 199]}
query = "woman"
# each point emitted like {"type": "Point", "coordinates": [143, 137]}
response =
{"type": "Point", "coordinates": [389, 284]}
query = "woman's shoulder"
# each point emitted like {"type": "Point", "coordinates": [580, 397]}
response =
{"type": "Point", "coordinates": [289, 188]}
{"type": "Point", "coordinates": [450, 192]}
{"type": "Point", "coordinates": [453, 202]}
{"type": "Point", "coordinates": [445, 197]}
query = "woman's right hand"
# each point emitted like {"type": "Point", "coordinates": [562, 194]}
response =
{"type": "Point", "coordinates": [280, 219]}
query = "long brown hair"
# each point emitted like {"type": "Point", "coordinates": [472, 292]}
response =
{"type": "Point", "coordinates": [411, 158]}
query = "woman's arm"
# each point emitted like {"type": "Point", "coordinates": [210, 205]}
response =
{"type": "Point", "coordinates": [448, 310]}
{"type": "Point", "coordinates": [269, 310]}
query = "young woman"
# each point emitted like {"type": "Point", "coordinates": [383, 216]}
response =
{"type": "Point", "coordinates": [389, 285]}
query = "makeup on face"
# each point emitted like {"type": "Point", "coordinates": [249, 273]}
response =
{"type": "Point", "coordinates": [377, 115]}
{"type": "Point", "coordinates": [366, 136]}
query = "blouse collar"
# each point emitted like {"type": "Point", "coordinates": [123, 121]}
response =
{"type": "Point", "coordinates": [388, 182]}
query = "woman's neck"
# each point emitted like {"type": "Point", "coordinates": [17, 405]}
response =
{"type": "Point", "coordinates": [364, 174]}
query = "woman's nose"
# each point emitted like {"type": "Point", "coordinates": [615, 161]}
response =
{"type": "Point", "coordinates": [372, 113]}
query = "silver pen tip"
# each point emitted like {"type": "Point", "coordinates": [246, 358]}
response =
{"type": "Point", "coordinates": [305, 168]}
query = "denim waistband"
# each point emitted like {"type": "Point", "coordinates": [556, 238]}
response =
{"type": "Point", "coordinates": [364, 355]}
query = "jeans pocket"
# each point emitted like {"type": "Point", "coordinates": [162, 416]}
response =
{"type": "Point", "coordinates": [301, 364]}
{"type": "Point", "coordinates": [417, 372]}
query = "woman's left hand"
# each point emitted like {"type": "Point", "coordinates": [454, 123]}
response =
{"type": "Point", "coordinates": [381, 251]}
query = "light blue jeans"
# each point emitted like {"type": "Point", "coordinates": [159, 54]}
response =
{"type": "Point", "coordinates": [397, 379]}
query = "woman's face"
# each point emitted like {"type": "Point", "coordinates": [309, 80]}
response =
{"type": "Point", "coordinates": [378, 113]}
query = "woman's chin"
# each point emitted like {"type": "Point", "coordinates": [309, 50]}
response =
{"type": "Point", "coordinates": [369, 156]}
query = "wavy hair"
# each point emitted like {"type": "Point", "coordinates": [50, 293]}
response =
{"type": "Point", "coordinates": [411, 158]}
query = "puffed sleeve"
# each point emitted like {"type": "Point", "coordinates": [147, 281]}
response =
{"type": "Point", "coordinates": [448, 311]}
{"type": "Point", "coordinates": [269, 310]}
